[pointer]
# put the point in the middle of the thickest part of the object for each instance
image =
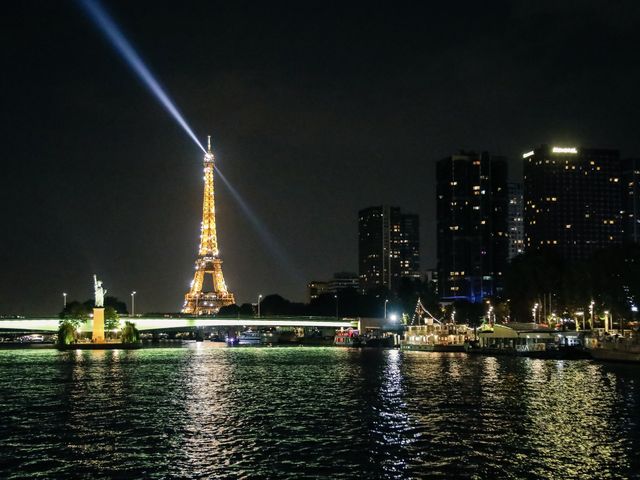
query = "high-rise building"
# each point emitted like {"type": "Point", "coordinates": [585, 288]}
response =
{"type": "Point", "coordinates": [472, 227]}
{"type": "Point", "coordinates": [409, 246]}
{"type": "Point", "coordinates": [631, 199]}
{"type": "Point", "coordinates": [388, 247]}
{"type": "Point", "coordinates": [572, 200]}
{"type": "Point", "coordinates": [516, 220]}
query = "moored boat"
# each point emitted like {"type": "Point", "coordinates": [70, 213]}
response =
{"type": "Point", "coordinates": [435, 337]}
{"type": "Point", "coordinates": [530, 340]}
{"type": "Point", "coordinates": [458, 347]}
{"type": "Point", "coordinates": [429, 334]}
{"type": "Point", "coordinates": [347, 338]}
{"type": "Point", "coordinates": [250, 338]}
{"type": "Point", "coordinates": [246, 339]}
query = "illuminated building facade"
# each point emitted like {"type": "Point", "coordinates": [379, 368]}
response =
{"type": "Point", "coordinates": [200, 300]}
{"type": "Point", "coordinates": [631, 199]}
{"type": "Point", "coordinates": [339, 281]}
{"type": "Point", "coordinates": [388, 247]}
{"type": "Point", "coordinates": [472, 225]}
{"type": "Point", "coordinates": [516, 220]}
{"type": "Point", "coordinates": [315, 288]}
{"type": "Point", "coordinates": [343, 281]}
{"type": "Point", "coordinates": [572, 200]}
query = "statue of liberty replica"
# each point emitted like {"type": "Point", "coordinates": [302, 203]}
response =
{"type": "Point", "coordinates": [99, 290]}
{"type": "Point", "coordinates": [97, 335]}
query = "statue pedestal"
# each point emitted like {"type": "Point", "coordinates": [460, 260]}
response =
{"type": "Point", "coordinates": [97, 336]}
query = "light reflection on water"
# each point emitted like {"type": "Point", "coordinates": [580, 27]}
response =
{"type": "Point", "coordinates": [314, 412]}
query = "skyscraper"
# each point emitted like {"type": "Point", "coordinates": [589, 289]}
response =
{"type": "Point", "coordinates": [409, 246]}
{"type": "Point", "coordinates": [388, 247]}
{"type": "Point", "coordinates": [472, 228]}
{"type": "Point", "coordinates": [516, 220]}
{"type": "Point", "coordinates": [572, 200]}
{"type": "Point", "coordinates": [631, 199]}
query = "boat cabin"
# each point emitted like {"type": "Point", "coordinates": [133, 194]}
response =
{"type": "Point", "coordinates": [526, 337]}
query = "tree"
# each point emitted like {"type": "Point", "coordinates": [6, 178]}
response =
{"type": "Point", "coordinates": [229, 310]}
{"type": "Point", "coordinates": [611, 278]}
{"type": "Point", "coordinates": [119, 306]}
{"type": "Point", "coordinates": [411, 289]}
{"type": "Point", "coordinates": [111, 319]}
{"type": "Point", "coordinates": [75, 313]}
{"type": "Point", "coordinates": [466, 312]}
{"type": "Point", "coordinates": [66, 333]}
{"type": "Point", "coordinates": [130, 333]}
{"type": "Point", "coordinates": [615, 278]}
{"type": "Point", "coordinates": [247, 310]}
{"type": "Point", "coordinates": [323, 305]}
{"type": "Point", "coordinates": [529, 277]}
{"type": "Point", "coordinates": [276, 305]}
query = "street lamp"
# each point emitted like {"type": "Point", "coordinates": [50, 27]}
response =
{"type": "Point", "coordinates": [259, 297]}
{"type": "Point", "coordinates": [385, 308]}
{"type": "Point", "coordinates": [133, 303]}
{"type": "Point", "coordinates": [591, 313]}
{"type": "Point", "coordinates": [336, 297]}
{"type": "Point", "coordinates": [64, 300]}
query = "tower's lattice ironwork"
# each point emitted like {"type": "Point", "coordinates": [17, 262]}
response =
{"type": "Point", "coordinates": [197, 301]}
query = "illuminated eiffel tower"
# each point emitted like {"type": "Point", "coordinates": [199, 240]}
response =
{"type": "Point", "coordinates": [197, 301]}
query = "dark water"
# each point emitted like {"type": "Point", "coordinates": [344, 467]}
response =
{"type": "Point", "coordinates": [314, 413]}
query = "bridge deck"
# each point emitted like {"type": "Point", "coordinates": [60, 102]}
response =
{"type": "Point", "coordinates": [51, 324]}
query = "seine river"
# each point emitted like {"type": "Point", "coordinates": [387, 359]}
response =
{"type": "Point", "coordinates": [314, 413]}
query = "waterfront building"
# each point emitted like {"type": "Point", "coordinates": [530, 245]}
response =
{"type": "Point", "coordinates": [388, 247]}
{"type": "Point", "coordinates": [201, 299]}
{"type": "Point", "coordinates": [572, 200]}
{"type": "Point", "coordinates": [630, 185]}
{"type": "Point", "coordinates": [343, 281]}
{"type": "Point", "coordinates": [340, 281]}
{"type": "Point", "coordinates": [472, 228]}
{"type": "Point", "coordinates": [315, 288]}
{"type": "Point", "coordinates": [516, 220]}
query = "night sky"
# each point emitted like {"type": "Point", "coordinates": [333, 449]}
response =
{"type": "Point", "coordinates": [315, 112]}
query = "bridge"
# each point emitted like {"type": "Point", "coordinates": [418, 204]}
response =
{"type": "Point", "coordinates": [168, 323]}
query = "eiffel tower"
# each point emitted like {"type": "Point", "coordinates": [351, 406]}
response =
{"type": "Point", "coordinates": [197, 301]}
